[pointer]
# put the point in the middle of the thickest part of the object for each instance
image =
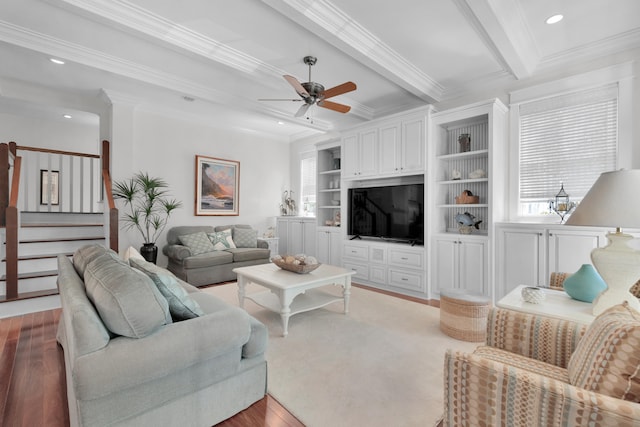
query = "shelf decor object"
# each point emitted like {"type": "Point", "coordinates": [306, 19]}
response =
{"type": "Point", "coordinates": [533, 294]}
{"type": "Point", "coordinates": [465, 142]}
{"type": "Point", "coordinates": [585, 284]}
{"type": "Point", "coordinates": [612, 202]}
{"type": "Point", "coordinates": [562, 204]}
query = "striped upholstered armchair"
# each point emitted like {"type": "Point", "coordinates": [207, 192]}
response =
{"type": "Point", "coordinates": [539, 371]}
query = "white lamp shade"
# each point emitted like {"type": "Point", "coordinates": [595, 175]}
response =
{"type": "Point", "coordinates": [613, 201]}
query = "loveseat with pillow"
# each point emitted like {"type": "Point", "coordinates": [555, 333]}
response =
{"type": "Point", "coordinates": [143, 348]}
{"type": "Point", "coordinates": [539, 371]}
{"type": "Point", "coordinates": [201, 255]}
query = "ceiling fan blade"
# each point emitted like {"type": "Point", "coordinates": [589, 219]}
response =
{"type": "Point", "coordinates": [297, 86]}
{"type": "Point", "coordinates": [303, 109]}
{"type": "Point", "coordinates": [338, 90]}
{"type": "Point", "coordinates": [341, 108]}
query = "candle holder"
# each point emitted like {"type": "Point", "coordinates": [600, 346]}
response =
{"type": "Point", "coordinates": [561, 204]}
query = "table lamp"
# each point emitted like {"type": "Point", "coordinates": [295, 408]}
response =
{"type": "Point", "coordinates": [613, 202]}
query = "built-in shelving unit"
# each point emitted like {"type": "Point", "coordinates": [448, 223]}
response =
{"type": "Point", "coordinates": [328, 201]}
{"type": "Point", "coordinates": [451, 163]}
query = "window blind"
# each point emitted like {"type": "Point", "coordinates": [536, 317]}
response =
{"type": "Point", "coordinates": [569, 139]}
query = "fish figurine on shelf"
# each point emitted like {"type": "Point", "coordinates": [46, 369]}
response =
{"type": "Point", "coordinates": [468, 220]}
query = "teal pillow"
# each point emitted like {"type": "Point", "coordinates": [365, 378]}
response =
{"type": "Point", "coordinates": [181, 305]}
{"type": "Point", "coordinates": [198, 243]}
{"type": "Point", "coordinates": [245, 237]}
{"type": "Point", "coordinates": [221, 240]}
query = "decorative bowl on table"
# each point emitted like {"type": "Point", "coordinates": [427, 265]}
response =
{"type": "Point", "coordinates": [300, 264]}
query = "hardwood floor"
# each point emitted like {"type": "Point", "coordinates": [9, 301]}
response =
{"type": "Point", "coordinates": [33, 387]}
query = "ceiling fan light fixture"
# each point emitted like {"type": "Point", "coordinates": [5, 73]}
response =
{"type": "Point", "coordinates": [554, 19]}
{"type": "Point", "coordinates": [57, 61]}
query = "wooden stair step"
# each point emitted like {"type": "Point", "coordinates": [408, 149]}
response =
{"type": "Point", "coordinates": [63, 239]}
{"type": "Point", "coordinates": [32, 275]}
{"type": "Point", "coordinates": [43, 256]}
{"type": "Point", "coordinates": [55, 224]}
{"type": "Point", "coordinates": [27, 295]}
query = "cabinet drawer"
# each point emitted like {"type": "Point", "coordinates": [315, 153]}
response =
{"type": "Point", "coordinates": [407, 258]}
{"type": "Point", "coordinates": [378, 274]}
{"type": "Point", "coordinates": [403, 279]}
{"type": "Point", "coordinates": [358, 252]}
{"type": "Point", "coordinates": [362, 271]}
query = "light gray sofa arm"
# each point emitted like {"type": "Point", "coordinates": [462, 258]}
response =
{"type": "Point", "coordinates": [127, 362]}
{"type": "Point", "coordinates": [262, 244]}
{"type": "Point", "coordinates": [177, 252]}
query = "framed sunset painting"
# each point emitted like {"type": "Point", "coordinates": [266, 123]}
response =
{"type": "Point", "coordinates": [217, 186]}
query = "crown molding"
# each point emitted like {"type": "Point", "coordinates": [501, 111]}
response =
{"type": "Point", "coordinates": [605, 47]}
{"type": "Point", "coordinates": [333, 25]}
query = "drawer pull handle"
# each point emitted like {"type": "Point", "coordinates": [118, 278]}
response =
{"type": "Point", "coordinates": [404, 279]}
{"type": "Point", "coordinates": [404, 258]}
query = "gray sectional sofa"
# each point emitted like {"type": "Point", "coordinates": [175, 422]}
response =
{"type": "Point", "coordinates": [213, 265]}
{"type": "Point", "coordinates": [143, 348]}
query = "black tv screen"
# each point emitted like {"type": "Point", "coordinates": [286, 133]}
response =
{"type": "Point", "coordinates": [392, 212]}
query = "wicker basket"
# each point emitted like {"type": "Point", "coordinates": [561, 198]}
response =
{"type": "Point", "coordinates": [296, 268]}
{"type": "Point", "coordinates": [467, 197]}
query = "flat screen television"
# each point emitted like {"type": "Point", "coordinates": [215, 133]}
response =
{"type": "Point", "coordinates": [394, 213]}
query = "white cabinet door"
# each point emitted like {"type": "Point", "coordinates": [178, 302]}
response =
{"type": "Point", "coordinates": [350, 156]}
{"type": "Point", "coordinates": [389, 149]}
{"type": "Point", "coordinates": [461, 264]}
{"type": "Point", "coordinates": [520, 259]}
{"type": "Point", "coordinates": [282, 230]}
{"type": "Point", "coordinates": [335, 246]}
{"type": "Point", "coordinates": [412, 158]}
{"type": "Point", "coordinates": [569, 249]}
{"type": "Point", "coordinates": [445, 265]}
{"type": "Point", "coordinates": [323, 242]}
{"type": "Point", "coordinates": [368, 152]}
{"type": "Point", "coordinates": [296, 237]}
{"type": "Point", "coordinates": [472, 266]}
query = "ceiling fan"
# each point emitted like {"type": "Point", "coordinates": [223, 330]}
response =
{"type": "Point", "coordinates": [314, 93]}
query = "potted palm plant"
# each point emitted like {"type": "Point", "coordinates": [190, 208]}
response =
{"type": "Point", "coordinates": [148, 209]}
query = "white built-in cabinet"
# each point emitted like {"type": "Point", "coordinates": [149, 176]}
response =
{"type": "Point", "coordinates": [388, 148]}
{"type": "Point", "coordinates": [464, 261]}
{"type": "Point", "coordinates": [297, 235]}
{"type": "Point", "coordinates": [460, 263]}
{"type": "Point", "coordinates": [329, 203]}
{"type": "Point", "coordinates": [329, 245]}
{"type": "Point", "coordinates": [527, 254]}
{"type": "Point", "coordinates": [390, 266]}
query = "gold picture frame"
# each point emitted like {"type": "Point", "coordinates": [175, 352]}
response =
{"type": "Point", "coordinates": [217, 186]}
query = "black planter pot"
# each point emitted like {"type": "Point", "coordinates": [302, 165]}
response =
{"type": "Point", "coordinates": [149, 251]}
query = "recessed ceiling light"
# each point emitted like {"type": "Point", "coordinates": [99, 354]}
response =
{"type": "Point", "coordinates": [57, 61]}
{"type": "Point", "coordinates": [280, 122]}
{"type": "Point", "coordinates": [67, 116]}
{"type": "Point", "coordinates": [554, 19]}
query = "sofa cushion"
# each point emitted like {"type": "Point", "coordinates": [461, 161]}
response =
{"type": "Point", "coordinates": [523, 362]}
{"type": "Point", "coordinates": [128, 301]}
{"type": "Point", "coordinates": [84, 255]}
{"type": "Point", "coordinates": [245, 237]}
{"type": "Point", "coordinates": [221, 240]}
{"type": "Point", "coordinates": [607, 358]}
{"type": "Point", "coordinates": [208, 259]}
{"type": "Point", "coordinates": [249, 254]}
{"type": "Point", "coordinates": [198, 243]}
{"type": "Point", "coordinates": [181, 306]}
{"type": "Point", "coordinates": [131, 252]}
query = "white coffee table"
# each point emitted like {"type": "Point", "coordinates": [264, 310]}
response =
{"type": "Point", "coordinates": [557, 304]}
{"type": "Point", "coordinates": [291, 293]}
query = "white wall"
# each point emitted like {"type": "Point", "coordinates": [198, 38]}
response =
{"type": "Point", "coordinates": [166, 147]}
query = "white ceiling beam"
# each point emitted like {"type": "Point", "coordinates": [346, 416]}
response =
{"type": "Point", "coordinates": [328, 22]}
{"type": "Point", "coordinates": [503, 29]}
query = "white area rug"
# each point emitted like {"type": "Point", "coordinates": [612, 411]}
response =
{"type": "Point", "coordinates": [380, 365]}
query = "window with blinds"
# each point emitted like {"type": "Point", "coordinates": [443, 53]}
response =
{"type": "Point", "coordinates": [566, 140]}
{"type": "Point", "coordinates": [308, 184]}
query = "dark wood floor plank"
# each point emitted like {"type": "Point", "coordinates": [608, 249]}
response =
{"type": "Point", "coordinates": [7, 361]}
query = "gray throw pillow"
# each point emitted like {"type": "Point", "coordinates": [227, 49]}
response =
{"type": "Point", "coordinates": [245, 237]}
{"type": "Point", "coordinates": [181, 305]}
{"type": "Point", "coordinates": [221, 240]}
{"type": "Point", "coordinates": [128, 301]}
{"type": "Point", "coordinates": [198, 243]}
{"type": "Point", "coordinates": [84, 255]}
